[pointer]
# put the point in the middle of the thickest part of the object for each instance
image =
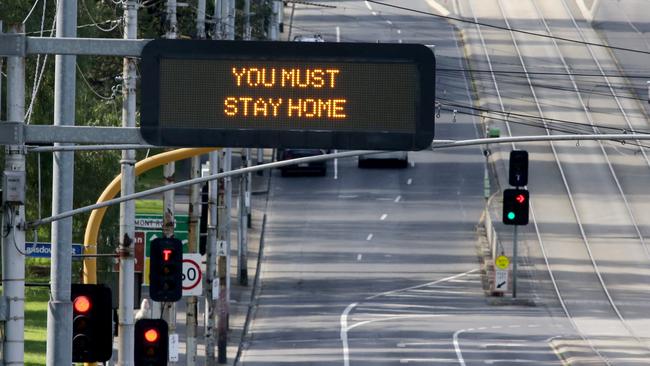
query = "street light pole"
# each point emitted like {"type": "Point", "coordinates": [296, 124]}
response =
{"type": "Point", "coordinates": [13, 225]}
{"type": "Point", "coordinates": [126, 250]}
{"type": "Point", "coordinates": [59, 314]}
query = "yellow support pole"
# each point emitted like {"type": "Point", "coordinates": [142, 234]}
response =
{"type": "Point", "coordinates": [96, 216]}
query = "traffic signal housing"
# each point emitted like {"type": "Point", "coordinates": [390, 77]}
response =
{"type": "Point", "coordinates": [92, 323]}
{"type": "Point", "coordinates": [151, 342]}
{"type": "Point", "coordinates": [518, 172]}
{"type": "Point", "coordinates": [515, 206]}
{"type": "Point", "coordinates": [166, 269]}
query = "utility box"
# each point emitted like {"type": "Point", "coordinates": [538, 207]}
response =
{"type": "Point", "coordinates": [13, 187]}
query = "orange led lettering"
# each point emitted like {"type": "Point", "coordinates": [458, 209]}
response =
{"type": "Point", "coordinates": [255, 80]}
{"type": "Point", "coordinates": [317, 78]}
{"type": "Point", "coordinates": [261, 107]}
{"type": "Point", "coordinates": [266, 82]}
{"type": "Point", "coordinates": [331, 73]}
{"type": "Point", "coordinates": [305, 82]}
{"type": "Point", "coordinates": [310, 107]}
{"type": "Point", "coordinates": [294, 107]}
{"type": "Point", "coordinates": [238, 75]}
{"type": "Point", "coordinates": [287, 76]}
{"type": "Point", "coordinates": [231, 106]}
{"type": "Point", "coordinates": [324, 105]}
{"type": "Point", "coordinates": [245, 100]}
{"type": "Point", "coordinates": [337, 106]}
{"type": "Point", "coordinates": [275, 105]}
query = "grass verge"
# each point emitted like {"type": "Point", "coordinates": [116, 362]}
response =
{"type": "Point", "coordinates": [35, 324]}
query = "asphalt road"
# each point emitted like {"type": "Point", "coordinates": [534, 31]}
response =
{"type": "Point", "coordinates": [589, 221]}
{"type": "Point", "coordinates": [379, 266]}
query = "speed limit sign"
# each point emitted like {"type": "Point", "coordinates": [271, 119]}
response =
{"type": "Point", "coordinates": [192, 275]}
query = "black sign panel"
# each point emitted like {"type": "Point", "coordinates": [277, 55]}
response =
{"type": "Point", "coordinates": [288, 94]}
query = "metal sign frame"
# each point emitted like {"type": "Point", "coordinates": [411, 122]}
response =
{"type": "Point", "coordinates": [416, 54]}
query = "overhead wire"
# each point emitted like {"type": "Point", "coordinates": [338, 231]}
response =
{"type": "Point", "coordinates": [29, 14]}
{"type": "Point", "coordinates": [83, 77]}
{"type": "Point", "coordinates": [505, 28]}
{"type": "Point", "coordinates": [92, 19]}
{"type": "Point", "coordinates": [38, 75]}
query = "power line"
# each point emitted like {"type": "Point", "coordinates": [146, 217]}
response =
{"type": "Point", "coordinates": [507, 116]}
{"type": "Point", "coordinates": [545, 73]}
{"type": "Point", "coordinates": [462, 20]}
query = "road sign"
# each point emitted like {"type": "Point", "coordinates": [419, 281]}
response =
{"type": "Point", "coordinates": [192, 275]}
{"type": "Point", "coordinates": [500, 280]}
{"type": "Point", "coordinates": [502, 262]}
{"type": "Point", "coordinates": [288, 94]}
{"type": "Point", "coordinates": [44, 250]}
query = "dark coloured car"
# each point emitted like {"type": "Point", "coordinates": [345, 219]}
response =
{"type": "Point", "coordinates": [314, 167]}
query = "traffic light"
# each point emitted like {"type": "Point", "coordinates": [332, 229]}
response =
{"type": "Point", "coordinates": [518, 173]}
{"type": "Point", "coordinates": [151, 342]}
{"type": "Point", "coordinates": [515, 206]}
{"type": "Point", "coordinates": [92, 324]}
{"type": "Point", "coordinates": [166, 269]}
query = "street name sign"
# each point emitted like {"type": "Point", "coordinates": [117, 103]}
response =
{"type": "Point", "coordinates": [44, 250]}
{"type": "Point", "coordinates": [288, 94]}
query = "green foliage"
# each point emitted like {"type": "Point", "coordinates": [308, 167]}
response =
{"type": "Point", "coordinates": [98, 100]}
{"type": "Point", "coordinates": [35, 324]}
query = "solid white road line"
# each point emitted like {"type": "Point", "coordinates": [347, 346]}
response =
{"type": "Point", "coordinates": [368, 5]}
{"type": "Point", "coordinates": [349, 308]}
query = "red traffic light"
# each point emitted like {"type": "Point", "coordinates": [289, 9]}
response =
{"type": "Point", "coordinates": [520, 198]}
{"type": "Point", "coordinates": [82, 304]}
{"type": "Point", "coordinates": [151, 335]}
{"type": "Point", "coordinates": [167, 253]}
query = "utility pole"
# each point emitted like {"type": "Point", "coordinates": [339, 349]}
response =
{"type": "Point", "coordinates": [211, 260]}
{"type": "Point", "coordinates": [169, 171]}
{"type": "Point", "coordinates": [191, 318]}
{"type": "Point", "coordinates": [172, 26]}
{"type": "Point", "coordinates": [223, 262]}
{"type": "Point", "coordinates": [13, 225]}
{"type": "Point", "coordinates": [247, 20]}
{"type": "Point", "coordinates": [218, 20]}
{"type": "Point", "coordinates": [212, 278]}
{"type": "Point", "coordinates": [275, 19]}
{"type": "Point", "coordinates": [126, 250]}
{"type": "Point", "coordinates": [59, 313]}
{"type": "Point", "coordinates": [200, 19]}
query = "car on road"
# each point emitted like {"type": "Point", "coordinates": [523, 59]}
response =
{"type": "Point", "coordinates": [313, 168]}
{"type": "Point", "coordinates": [386, 159]}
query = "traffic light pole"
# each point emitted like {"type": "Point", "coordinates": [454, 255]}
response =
{"type": "Point", "coordinates": [193, 238]}
{"type": "Point", "coordinates": [127, 209]}
{"type": "Point", "coordinates": [13, 225]}
{"type": "Point", "coordinates": [514, 263]}
{"type": "Point", "coordinates": [211, 260]}
{"type": "Point", "coordinates": [223, 263]}
{"type": "Point", "coordinates": [169, 171]}
{"type": "Point", "coordinates": [59, 314]}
